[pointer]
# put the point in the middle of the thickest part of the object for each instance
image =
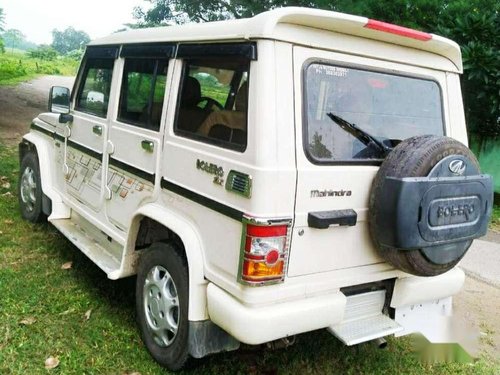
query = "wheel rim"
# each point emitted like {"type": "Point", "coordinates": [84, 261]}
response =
{"type": "Point", "coordinates": [28, 188]}
{"type": "Point", "coordinates": [161, 306]}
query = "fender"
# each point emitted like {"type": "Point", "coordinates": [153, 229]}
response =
{"type": "Point", "coordinates": [192, 245]}
{"type": "Point", "coordinates": [44, 149]}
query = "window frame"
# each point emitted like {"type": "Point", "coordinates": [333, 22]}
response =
{"type": "Point", "coordinates": [343, 64]}
{"type": "Point", "coordinates": [81, 85]}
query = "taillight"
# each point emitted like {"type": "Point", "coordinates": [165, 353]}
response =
{"type": "Point", "coordinates": [398, 30]}
{"type": "Point", "coordinates": [264, 251]}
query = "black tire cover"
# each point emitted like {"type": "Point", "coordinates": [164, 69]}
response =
{"type": "Point", "coordinates": [419, 178]}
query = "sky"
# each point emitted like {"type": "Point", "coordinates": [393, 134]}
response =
{"type": "Point", "coordinates": [37, 18]}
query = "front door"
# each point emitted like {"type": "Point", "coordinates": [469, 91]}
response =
{"type": "Point", "coordinates": [85, 136]}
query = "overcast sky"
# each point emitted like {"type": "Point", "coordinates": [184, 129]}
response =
{"type": "Point", "coordinates": [37, 18]}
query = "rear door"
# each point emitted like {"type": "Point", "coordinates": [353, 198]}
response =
{"type": "Point", "coordinates": [335, 169]}
{"type": "Point", "coordinates": [135, 133]}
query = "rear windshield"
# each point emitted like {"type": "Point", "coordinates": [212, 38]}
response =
{"type": "Point", "coordinates": [386, 106]}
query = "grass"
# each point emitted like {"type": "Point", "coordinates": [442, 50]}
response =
{"type": "Point", "coordinates": [495, 219]}
{"type": "Point", "coordinates": [16, 66]}
{"type": "Point", "coordinates": [33, 285]}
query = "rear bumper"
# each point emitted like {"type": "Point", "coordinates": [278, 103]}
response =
{"type": "Point", "coordinates": [252, 324]}
{"type": "Point", "coordinates": [257, 325]}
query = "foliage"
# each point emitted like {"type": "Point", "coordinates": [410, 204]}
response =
{"type": "Point", "coordinates": [43, 52]}
{"type": "Point", "coordinates": [57, 303]}
{"type": "Point", "coordinates": [495, 219]}
{"type": "Point", "coordinates": [2, 25]}
{"type": "Point", "coordinates": [477, 33]}
{"type": "Point", "coordinates": [69, 40]}
{"type": "Point", "coordinates": [2, 19]}
{"type": "Point", "coordinates": [76, 54]}
{"type": "Point", "coordinates": [17, 66]}
{"type": "Point", "coordinates": [318, 149]}
{"type": "Point", "coordinates": [15, 39]}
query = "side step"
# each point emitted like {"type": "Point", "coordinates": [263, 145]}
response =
{"type": "Point", "coordinates": [364, 320]}
{"type": "Point", "coordinates": [90, 241]}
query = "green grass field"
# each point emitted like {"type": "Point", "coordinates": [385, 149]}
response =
{"type": "Point", "coordinates": [43, 313]}
{"type": "Point", "coordinates": [16, 66]}
{"type": "Point", "coordinates": [495, 219]}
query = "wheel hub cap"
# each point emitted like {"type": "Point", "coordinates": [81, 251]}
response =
{"type": "Point", "coordinates": [161, 306]}
{"type": "Point", "coordinates": [28, 188]}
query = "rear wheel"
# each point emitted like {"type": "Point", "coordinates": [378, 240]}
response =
{"type": "Point", "coordinates": [30, 189]}
{"type": "Point", "coordinates": [162, 305]}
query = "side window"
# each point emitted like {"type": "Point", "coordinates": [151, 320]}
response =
{"type": "Point", "coordinates": [213, 102]}
{"type": "Point", "coordinates": [93, 94]}
{"type": "Point", "coordinates": [142, 92]}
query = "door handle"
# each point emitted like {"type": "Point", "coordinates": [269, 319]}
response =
{"type": "Point", "coordinates": [147, 146]}
{"type": "Point", "coordinates": [97, 129]}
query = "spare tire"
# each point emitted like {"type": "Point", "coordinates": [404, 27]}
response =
{"type": "Point", "coordinates": [428, 202]}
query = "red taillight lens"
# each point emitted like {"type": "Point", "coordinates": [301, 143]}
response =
{"type": "Point", "coordinates": [398, 30]}
{"type": "Point", "coordinates": [264, 253]}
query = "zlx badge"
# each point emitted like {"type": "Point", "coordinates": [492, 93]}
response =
{"type": "Point", "coordinates": [457, 167]}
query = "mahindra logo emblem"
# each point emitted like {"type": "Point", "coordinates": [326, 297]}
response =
{"type": "Point", "coordinates": [457, 167]}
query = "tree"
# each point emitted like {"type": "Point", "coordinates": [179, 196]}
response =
{"type": "Point", "coordinates": [2, 19]}
{"type": "Point", "coordinates": [477, 34]}
{"type": "Point", "coordinates": [13, 38]}
{"type": "Point", "coordinates": [2, 25]}
{"type": "Point", "coordinates": [69, 40]}
{"type": "Point", "coordinates": [180, 11]}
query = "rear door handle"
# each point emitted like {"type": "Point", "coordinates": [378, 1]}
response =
{"type": "Point", "coordinates": [97, 130]}
{"type": "Point", "coordinates": [323, 219]}
{"type": "Point", "coordinates": [147, 146]}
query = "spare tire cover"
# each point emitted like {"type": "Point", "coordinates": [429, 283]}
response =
{"type": "Point", "coordinates": [428, 202]}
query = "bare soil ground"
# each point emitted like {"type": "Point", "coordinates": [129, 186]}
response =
{"type": "Point", "coordinates": [19, 104]}
{"type": "Point", "coordinates": [477, 305]}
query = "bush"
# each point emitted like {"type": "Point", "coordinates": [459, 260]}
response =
{"type": "Point", "coordinates": [43, 52]}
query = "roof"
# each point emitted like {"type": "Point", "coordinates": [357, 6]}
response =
{"type": "Point", "coordinates": [266, 26]}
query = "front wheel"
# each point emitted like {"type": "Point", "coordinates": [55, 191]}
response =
{"type": "Point", "coordinates": [162, 304]}
{"type": "Point", "coordinates": [30, 189]}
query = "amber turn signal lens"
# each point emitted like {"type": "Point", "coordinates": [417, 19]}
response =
{"type": "Point", "coordinates": [256, 271]}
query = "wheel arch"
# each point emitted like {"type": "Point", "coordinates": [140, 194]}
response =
{"type": "Point", "coordinates": [190, 242]}
{"type": "Point", "coordinates": [40, 145]}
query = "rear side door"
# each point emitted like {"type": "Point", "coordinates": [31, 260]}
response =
{"type": "Point", "coordinates": [135, 133]}
{"type": "Point", "coordinates": [85, 136]}
{"type": "Point", "coordinates": [334, 168]}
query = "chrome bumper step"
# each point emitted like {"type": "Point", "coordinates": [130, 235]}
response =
{"type": "Point", "coordinates": [363, 319]}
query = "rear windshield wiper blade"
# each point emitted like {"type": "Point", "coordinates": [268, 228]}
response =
{"type": "Point", "coordinates": [366, 138]}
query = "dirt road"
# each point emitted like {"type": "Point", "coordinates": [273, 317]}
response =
{"type": "Point", "coordinates": [476, 305]}
{"type": "Point", "coordinates": [21, 103]}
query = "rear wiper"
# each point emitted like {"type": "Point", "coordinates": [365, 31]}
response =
{"type": "Point", "coordinates": [366, 138]}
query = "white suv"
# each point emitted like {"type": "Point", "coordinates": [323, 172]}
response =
{"type": "Point", "coordinates": [265, 177]}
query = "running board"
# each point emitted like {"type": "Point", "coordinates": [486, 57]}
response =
{"type": "Point", "coordinates": [87, 239]}
{"type": "Point", "coordinates": [364, 320]}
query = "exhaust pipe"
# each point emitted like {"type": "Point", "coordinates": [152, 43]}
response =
{"type": "Point", "coordinates": [380, 343]}
{"type": "Point", "coordinates": [282, 343]}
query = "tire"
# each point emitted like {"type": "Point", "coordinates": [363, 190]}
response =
{"type": "Point", "coordinates": [30, 189]}
{"type": "Point", "coordinates": [415, 157]}
{"type": "Point", "coordinates": [162, 296]}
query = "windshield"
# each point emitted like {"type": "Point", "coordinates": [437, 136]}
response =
{"type": "Point", "coordinates": [387, 106]}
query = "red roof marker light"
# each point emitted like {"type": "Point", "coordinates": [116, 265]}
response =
{"type": "Point", "coordinates": [398, 30]}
